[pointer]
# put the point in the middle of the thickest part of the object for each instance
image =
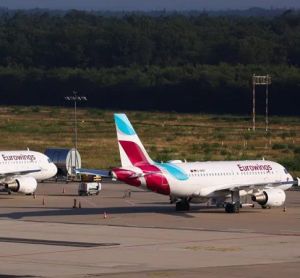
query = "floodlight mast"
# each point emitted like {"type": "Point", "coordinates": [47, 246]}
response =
{"type": "Point", "coordinates": [265, 80]}
{"type": "Point", "coordinates": [75, 98]}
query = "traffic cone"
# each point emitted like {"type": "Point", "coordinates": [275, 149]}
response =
{"type": "Point", "coordinates": [33, 195]}
{"type": "Point", "coordinates": [105, 215]}
{"type": "Point", "coordinates": [284, 209]}
{"type": "Point", "coordinates": [44, 203]}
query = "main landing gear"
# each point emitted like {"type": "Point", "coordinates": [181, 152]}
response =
{"type": "Point", "coordinates": [183, 205]}
{"type": "Point", "coordinates": [234, 206]}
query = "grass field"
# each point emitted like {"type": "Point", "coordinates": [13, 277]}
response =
{"type": "Point", "coordinates": [166, 136]}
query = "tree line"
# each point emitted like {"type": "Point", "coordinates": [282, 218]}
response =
{"type": "Point", "coordinates": [169, 62]}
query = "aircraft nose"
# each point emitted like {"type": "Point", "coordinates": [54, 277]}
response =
{"type": "Point", "coordinates": [53, 170]}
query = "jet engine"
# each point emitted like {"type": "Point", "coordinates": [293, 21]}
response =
{"type": "Point", "coordinates": [26, 185]}
{"type": "Point", "coordinates": [273, 197]}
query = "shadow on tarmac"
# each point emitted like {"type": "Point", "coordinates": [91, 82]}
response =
{"type": "Point", "coordinates": [169, 210]}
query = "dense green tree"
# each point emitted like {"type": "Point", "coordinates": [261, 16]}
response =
{"type": "Point", "coordinates": [171, 62]}
{"type": "Point", "coordinates": [79, 39]}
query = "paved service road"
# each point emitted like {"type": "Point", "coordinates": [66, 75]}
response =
{"type": "Point", "coordinates": [142, 236]}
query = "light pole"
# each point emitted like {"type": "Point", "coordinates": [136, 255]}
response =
{"type": "Point", "coordinates": [75, 98]}
{"type": "Point", "coordinates": [265, 80]}
{"type": "Point", "coordinates": [269, 81]}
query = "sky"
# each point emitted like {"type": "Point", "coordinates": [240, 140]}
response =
{"type": "Point", "coordinates": [121, 5]}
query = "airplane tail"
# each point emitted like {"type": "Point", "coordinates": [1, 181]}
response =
{"type": "Point", "coordinates": [132, 151]}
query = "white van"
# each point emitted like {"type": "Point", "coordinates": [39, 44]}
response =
{"type": "Point", "coordinates": [89, 188]}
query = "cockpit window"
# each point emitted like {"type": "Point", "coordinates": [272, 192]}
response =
{"type": "Point", "coordinates": [285, 170]}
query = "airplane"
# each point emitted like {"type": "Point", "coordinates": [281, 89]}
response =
{"type": "Point", "coordinates": [21, 170]}
{"type": "Point", "coordinates": [224, 182]}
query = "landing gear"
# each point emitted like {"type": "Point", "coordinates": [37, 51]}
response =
{"type": "Point", "coordinates": [183, 205]}
{"type": "Point", "coordinates": [234, 206]}
{"type": "Point", "coordinates": [173, 199]}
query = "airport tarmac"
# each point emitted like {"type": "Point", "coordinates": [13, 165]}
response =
{"type": "Point", "coordinates": [112, 235]}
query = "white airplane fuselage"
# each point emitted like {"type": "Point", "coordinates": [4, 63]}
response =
{"type": "Point", "coordinates": [202, 179]}
{"type": "Point", "coordinates": [21, 170]}
{"type": "Point", "coordinates": [264, 180]}
{"type": "Point", "coordinates": [18, 161]}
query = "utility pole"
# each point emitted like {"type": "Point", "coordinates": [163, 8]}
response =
{"type": "Point", "coordinates": [76, 99]}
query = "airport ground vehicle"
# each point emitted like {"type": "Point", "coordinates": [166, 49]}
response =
{"type": "Point", "coordinates": [89, 188]}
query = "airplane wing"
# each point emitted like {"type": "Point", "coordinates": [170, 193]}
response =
{"type": "Point", "coordinates": [208, 190]}
{"type": "Point", "coordinates": [94, 172]}
{"type": "Point", "coordinates": [7, 174]}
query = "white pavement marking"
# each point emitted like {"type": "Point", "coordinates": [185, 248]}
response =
{"type": "Point", "coordinates": [290, 231]}
{"type": "Point", "coordinates": [86, 200]}
{"type": "Point", "coordinates": [130, 203]}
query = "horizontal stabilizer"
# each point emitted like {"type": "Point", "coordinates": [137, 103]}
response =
{"type": "Point", "coordinates": [94, 172]}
